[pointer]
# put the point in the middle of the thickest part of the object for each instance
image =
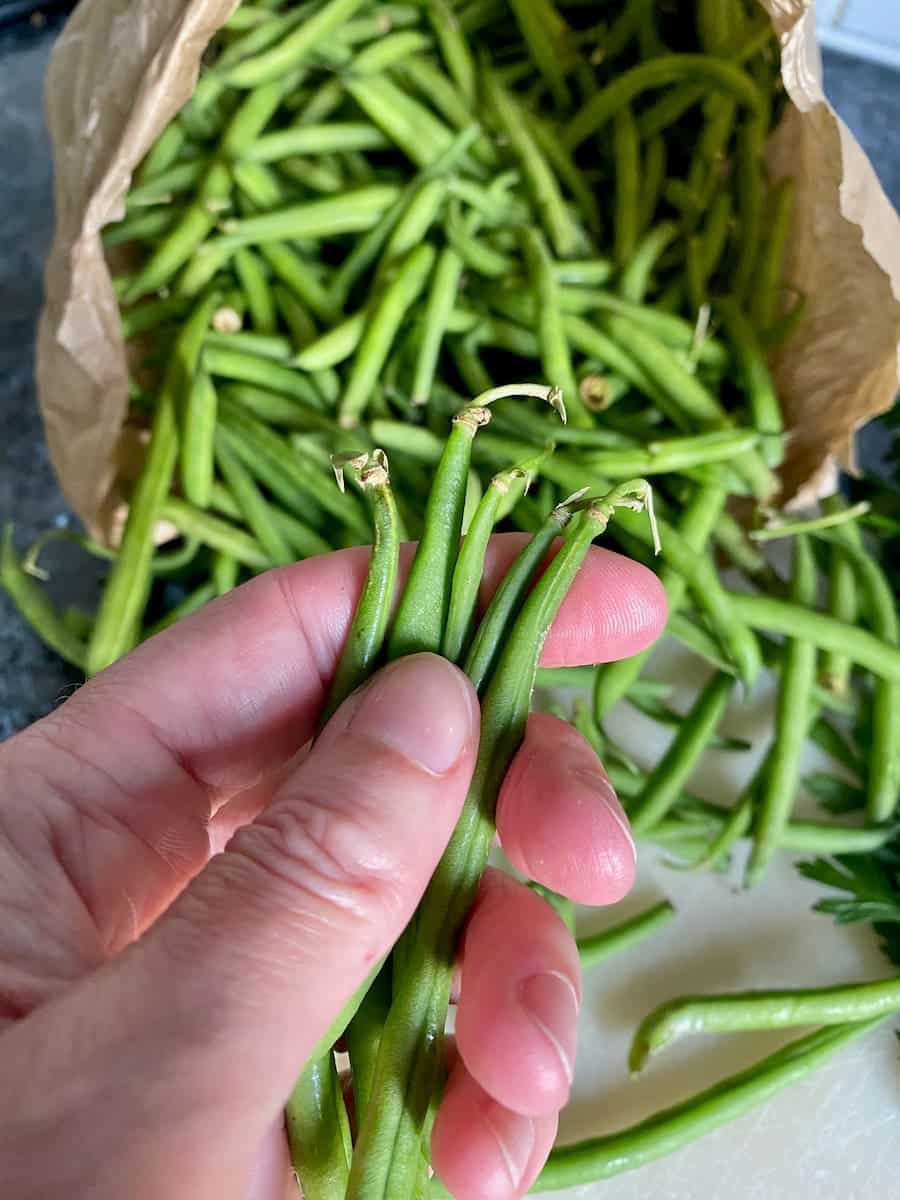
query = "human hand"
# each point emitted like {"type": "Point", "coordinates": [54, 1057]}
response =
{"type": "Point", "coordinates": [188, 894]}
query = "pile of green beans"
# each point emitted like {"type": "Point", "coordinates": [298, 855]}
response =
{"type": "Point", "coordinates": [369, 212]}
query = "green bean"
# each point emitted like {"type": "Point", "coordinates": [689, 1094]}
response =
{"type": "Point", "coordinates": [715, 235]}
{"type": "Point", "coordinates": [299, 278]}
{"type": "Point", "coordinates": [666, 782]}
{"type": "Point", "coordinates": [810, 837]}
{"type": "Point", "coordinates": [264, 372]}
{"type": "Point", "coordinates": [220, 535]}
{"type": "Point", "coordinates": [353, 212]}
{"type": "Point", "coordinates": [454, 47]}
{"type": "Point", "coordinates": [182, 240]}
{"type": "Point", "coordinates": [409, 125]}
{"type": "Point", "coordinates": [272, 346]}
{"type": "Point", "coordinates": [330, 138]}
{"type": "Point", "coordinates": [333, 347]}
{"type": "Point", "coordinates": [247, 17]}
{"type": "Point", "coordinates": [689, 399]}
{"type": "Point", "coordinates": [198, 425]}
{"type": "Point", "coordinates": [791, 723]}
{"type": "Point", "coordinates": [564, 234]}
{"type": "Point", "coordinates": [675, 454]}
{"type": "Point", "coordinates": [162, 154]}
{"type": "Point", "coordinates": [441, 300]}
{"type": "Point", "coordinates": [771, 265]}
{"type": "Point", "coordinates": [423, 607]}
{"type": "Point", "coordinates": [318, 1131]}
{"type": "Point", "coordinates": [305, 542]}
{"type": "Point", "coordinates": [253, 507]}
{"type": "Point", "coordinates": [668, 1130]}
{"type": "Point", "coordinates": [142, 226]}
{"type": "Point", "coordinates": [598, 345]}
{"type": "Point", "coordinates": [785, 327]}
{"type": "Point", "coordinates": [672, 105]}
{"type": "Point", "coordinates": [367, 631]}
{"type": "Point", "coordinates": [253, 281]}
{"type": "Point", "coordinates": [469, 568]}
{"type": "Point", "coordinates": [759, 388]}
{"type": "Point", "coordinates": [694, 273]}
{"type": "Point", "coordinates": [165, 186]}
{"type": "Point", "coordinates": [280, 459]}
{"type": "Point", "coordinates": [363, 1039]}
{"type": "Point", "coordinates": [725, 611]}
{"type": "Point", "coordinates": [549, 42]}
{"type": "Point", "coordinates": [749, 196]}
{"type": "Point", "coordinates": [883, 784]}
{"type": "Point", "coordinates": [601, 946]}
{"type": "Point", "coordinates": [277, 409]}
{"type": "Point", "coordinates": [626, 155]}
{"type": "Point", "coordinates": [556, 357]}
{"type": "Point", "coordinates": [225, 570]}
{"type": "Point", "coordinates": [294, 49]}
{"type": "Point", "coordinates": [739, 1011]}
{"type": "Point", "coordinates": [635, 278]}
{"type": "Point", "coordinates": [151, 315]}
{"type": "Point", "coordinates": [672, 331]}
{"type": "Point", "coordinates": [433, 85]}
{"type": "Point", "coordinates": [115, 628]}
{"type": "Point", "coordinates": [570, 174]}
{"type": "Point", "coordinates": [670, 68]}
{"type": "Point", "coordinates": [830, 520]}
{"type": "Point", "coordinates": [843, 603]}
{"type": "Point", "coordinates": [589, 272]}
{"type": "Point", "coordinates": [476, 254]}
{"type": "Point", "coordinates": [418, 216]}
{"type": "Point", "coordinates": [734, 828]}
{"type": "Point", "coordinates": [389, 50]}
{"type": "Point", "coordinates": [772, 615]}
{"type": "Point", "coordinates": [381, 330]}
{"type": "Point", "coordinates": [653, 179]}
{"type": "Point", "coordinates": [704, 177]}
{"type": "Point", "coordinates": [35, 606]}
{"type": "Point", "coordinates": [561, 905]}
{"type": "Point", "coordinates": [259, 184]}
{"type": "Point", "coordinates": [410, 1053]}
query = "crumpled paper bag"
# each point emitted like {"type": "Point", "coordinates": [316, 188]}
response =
{"type": "Point", "coordinates": [121, 70]}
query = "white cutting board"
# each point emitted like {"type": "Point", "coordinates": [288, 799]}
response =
{"type": "Point", "coordinates": [835, 1135]}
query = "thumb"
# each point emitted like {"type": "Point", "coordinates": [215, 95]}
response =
{"type": "Point", "coordinates": [206, 1021]}
{"type": "Point", "coordinates": [278, 932]}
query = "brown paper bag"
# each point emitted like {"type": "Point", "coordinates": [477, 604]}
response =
{"type": "Point", "coordinates": [121, 70]}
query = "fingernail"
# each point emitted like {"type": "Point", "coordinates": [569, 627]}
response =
{"type": "Point", "coordinates": [551, 1002]}
{"type": "Point", "coordinates": [603, 789]}
{"type": "Point", "coordinates": [514, 1136]}
{"type": "Point", "coordinates": [423, 708]}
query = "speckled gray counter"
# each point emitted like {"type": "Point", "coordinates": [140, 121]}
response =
{"type": "Point", "coordinates": [32, 680]}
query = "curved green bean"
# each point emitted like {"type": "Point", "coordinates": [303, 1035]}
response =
{"type": "Point", "coordinates": [599, 947]}
{"type": "Point", "coordinates": [668, 1130]}
{"type": "Point", "coordinates": [667, 69]}
{"type": "Point", "coordinates": [782, 1009]}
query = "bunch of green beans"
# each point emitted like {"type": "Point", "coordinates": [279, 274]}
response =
{"type": "Point", "coordinates": [366, 214]}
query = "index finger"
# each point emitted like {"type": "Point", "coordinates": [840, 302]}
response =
{"type": "Point", "coordinates": [235, 689]}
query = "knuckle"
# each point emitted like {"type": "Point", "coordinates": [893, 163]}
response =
{"type": "Point", "coordinates": [333, 856]}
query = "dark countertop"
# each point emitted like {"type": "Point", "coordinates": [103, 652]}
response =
{"type": "Point", "coordinates": [32, 679]}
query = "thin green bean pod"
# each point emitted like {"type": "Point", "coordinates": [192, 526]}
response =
{"type": "Point", "coordinates": [791, 723]}
{"type": "Point", "coordinates": [603, 1157]}
{"type": "Point", "coordinates": [599, 947]}
{"type": "Point", "coordinates": [667, 69]}
{"type": "Point", "coordinates": [740, 1011]}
